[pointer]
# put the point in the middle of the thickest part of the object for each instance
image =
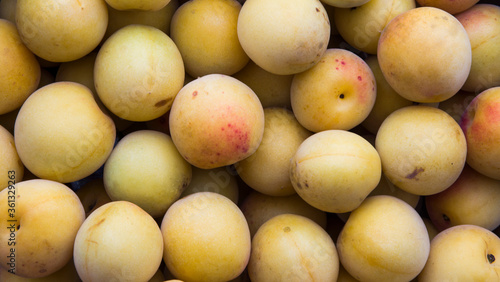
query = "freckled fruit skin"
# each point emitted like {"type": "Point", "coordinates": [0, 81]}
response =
{"type": "Point", "coordinates": [422, 149]}
{"type": "Point", "coordinates": [19, 70]}
{"type": "Point", "coordinates": [205, 227]}
{"type": "Point", "coordinates": [119, 241]}
{"type": "Point", "coordinates": [47, 217]}
{"type": "Point", "coordinates": [384, 239]}
{"type": "Point", "coordinates": [481, 125]}
{"type": "Point", "coordinates": [335, 170]}
{"type": "Point", "coordinates": [413, 71]}
{"type": "Point", "coordinates": [290, 247]}
{"type": "Point", "coordinates": [216, 120]}
{"type": "Point", "coordinates": [284, 36]}
{"type": "Point", "coordinates": [337, 93]}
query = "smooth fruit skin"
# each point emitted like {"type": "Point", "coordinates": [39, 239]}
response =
{"type": "Point", "coordinates": [337, 93]}
{"type": "Point", "coordinates": [145, 168]}
{"type": "Point", "coordinates": [11, 167]}
{"type": "Point", "coordinates": [463, 253]}
{"type": "Point", "coordinates": [422, 148]}
{"type": "Point", "coordinates": [387, 99]}
{"type": "Point", "coordinates": [47, 218]}
{"type": "Point", "coordinates": [138, 72]}
{"type": "Point", "coordinates": [205, 227]}
{"type": "Point", "coordinates": [267, 169]}
{"type": "Point", "coordinates": [411, 69]}
{"type": "Point", "coordinates": [284, 36]}
{"type": "Point", "coordinates": [213, 26]}
{"type": "Point", "coordinates": [160, 18]}
{"type": "Point", "coordinates": [361, 27]}
{"type": "Point", "coordinates": [19, 70]}
{"type": "Point", "coordinates": [452, 7]}
{"type": "Point", "coordinates": [384, 239]}
{"type": "Point", "coordinates": [290, 247]}
{"type": "Point", "coordinates": [142, 5]}
{"type": "Point", "coordinates": [216, 120]}
{"type": "Point", "coordinates": [481, 126]}
{"type": "Point", "coordinates": [61, 31]}
{"type": "Point", "coordinates": [335, 170]}
{"type": "Point", "coordinates": [118, 241]}
{"type": "Point", "coordinates": [61, 133]}
{"type": "Point", "coordinates": [482, 24]}
{"type": "Point", "coordinates": [259, 208]}
{"type": "Point", "coordinates": [472, 199]}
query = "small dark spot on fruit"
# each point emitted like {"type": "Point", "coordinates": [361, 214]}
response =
{"type": "Point", "coordinates": [287, 229]}
{"type": "Point", "coordinates": [336, 60]}
{"type": "Point", "coordinates": [161, 103]}
{"type": "Point", "coordinates": [446, 218]}
{"type": "Point", "coordinates": [342, 62]}
{"type": "Point", "coordinates": [195, 93]}
{"type": "Point", "coordinates": [341, 96]}
{"type": "Point", "coordinates": [306, 184]}
{"type": "Point", "coordinates": [317, 10]}
{"type": "Point", "coordinates": [337, 68]}
{"type": "Point", "coordinates": [414, 174]}
{"type": "Point", "coordinates": [359, 78]}
{"type": "Point", "coordinates": [491, 258]}
{"type": "Point", "coordinates": [42, 270]}
{"type": "Point", "coordinates": [19, 226]}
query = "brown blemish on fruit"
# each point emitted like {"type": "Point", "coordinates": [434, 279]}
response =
{"type": "Point", "coordinates": [414, 174]}
{"type": "Point", "coordinates": [161, 103]}
{"type": "Point", "coordinates": [42, 270]}
{"type": "Point", "coordinates": [287, 229]}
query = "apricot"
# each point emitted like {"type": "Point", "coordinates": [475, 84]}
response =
{"type": "Point", "coordinates": [216, 120]}
{"type": "Point", "coordinates": [425, 54]}
{"type": "Point", "coordinates": [19, 70]}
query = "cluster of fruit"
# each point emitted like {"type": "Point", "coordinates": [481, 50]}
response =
{"type": "Point", "coordinates": [257, 140]}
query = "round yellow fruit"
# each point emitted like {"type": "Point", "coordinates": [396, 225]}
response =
{"type": "Point", "coordinates": [146, 169]}
{"type": "Point", "coordinates": [137, 73]}
{"type": "Point", "coordinates": [216, 120]}
{"type": "Point", "coordinates": [61, 133]}
{"type": "Point", "coordinates": [11, 167]}
{"type": "Point", "coordinates": [118, 241]}
{"type": "Point", "coordinates": [267, 170]}
{"type": "Point", "coordinates": [220, 180]}
{"type": "Point", "coordinates": [335, 170]}
{"type": "Point", "coordinates": [205, 227]}
{"type": "Point", "coordinates": [19, 69]}
{"type": "Point", "coordinates": [384, 239]}
{"type": "Point", "coordinates": [213, 26]}
{"type": "Point", "coordinates": [291, 247]}
{"type": "Point", "coordinates": [284, 36]}
{"type": "Point", "coordinates": [422, 148]}
{"type": "Point", "coordinates": [40, 221]}
{"type": "Point", "coordinates": [61, 31]}
{"type": "Point", "coordinates": [408, 64]}
{"type": "Point", "coordinates": [259, 208]}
